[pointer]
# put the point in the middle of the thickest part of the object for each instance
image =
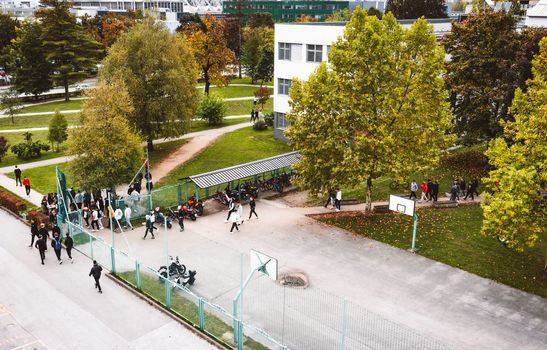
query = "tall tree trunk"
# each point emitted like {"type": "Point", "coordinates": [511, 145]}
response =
{"type": "Point", "coordinates": [369, 195]}
{"type": "Point", "coordinates": [66, 90]}
{"type": "Point", "coordinates": [207, 82]}
{"type": "Point", "coordinates": [150, 145]}
{"type": "Point", "coordinates": [239, 50]}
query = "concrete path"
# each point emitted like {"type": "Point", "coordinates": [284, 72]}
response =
{"type": "Point", "coordinates": [429, 299]}
{"type": "Point", "coordinates": [56, 307]}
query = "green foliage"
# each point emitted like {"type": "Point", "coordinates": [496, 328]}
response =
{"type": "Point", "coordinates": [257, 56]}
{"type": "Point", "coordinates": [8, 32]}
{"type": "Point", "coordinates": [107, 153]}
{"type": "Point", "coordinates": [341, 15]}
{"type": "Point", "coordinates": [10, 102]}
{"type": "Point", "coordinates": [516, 209]}
{"type": "Point", "coordinates": [411, 9]}
{"type": "Point", "coordinates": [378, 108]}
{"type": "Point", "coordinates": [269, 119]}
{"type": "Point", "coordinates": [4, 146]}
{"type": "Point", "coordinates": [162, 91]}
{"type": "Point", "coordinates": [31, 69]}
{"type": "Point", "coordinates": [260, 125]}
{"type": "Point", "coordinates": [212, 109]}
{"type": "Point", "coordinates": [373, 11]}
{"type": "Point", "coordinates": [68, 47]}
{"type": "Point", "coordinates": [459, 6]}
{"type": "Point", "coordinates": [58, 129]}
{"type": "Point", "coordinates": [257, 20]}
{"type": "Point", "coordinates": [489, 60]}
{"type": "Point", "coordinates": [29, 149]}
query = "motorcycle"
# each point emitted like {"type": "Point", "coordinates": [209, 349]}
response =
{"type": "Point", "coordinates": [176, 269]}
{"type": "Point", "coordinates": [187, 213]}
{"type": "Point", "coordinates": [197, 206]}
{"type": "Point", "coordinates": [186, 279]}
{"type": "Point", "coordinates": [161, 219]}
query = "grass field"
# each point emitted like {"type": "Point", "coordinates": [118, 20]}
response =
{"type": "Point", "coordinates": [235, 91]}
{"type": "Point", "coordinates": [52, 106]}
{"type": "Point", "coordinates": [35, 121]}
{"type": "Point", "coordinates": [187, 309]}
{"type": "Point", "coordinates": [452, 236]}
{"type": "Point", "coordinates": [14, 138]}
{"type": "Point", "coordinates": [240, 146]}
{"type": "Point", "coordinates": [244, 107]}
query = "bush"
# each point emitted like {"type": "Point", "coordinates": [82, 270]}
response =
{"type": "Point", "coordinates": [12, 202]}
{"type": "Point", "coordinates": [269, 118]}
{"type": "Point", "coordinates": [3, 147]}
{"type": "Point", "coordinates": [260, 125]}
{"type": "Point", "coordinates": [29, 149]}
{"type": "Point", "coordinates": [212, 109]}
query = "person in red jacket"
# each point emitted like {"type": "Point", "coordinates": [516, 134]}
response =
{"type": "Point", "coordinates": [26, 183]}
{"type": "Point", "coordinates": [424, 188]}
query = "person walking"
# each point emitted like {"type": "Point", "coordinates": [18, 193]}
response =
{"type": "Point", "coordinates": [252, 115]}
{"type": "Point", "coordinates": [149, 225]}
{"type": "Point", "coordinates": [413, 189]}
{"type": "Point", "coordinates": [96, 273]}
{"type": "Point", "coordinates": [95, 220]}
{"type": "Point", "coordinates": [43, 233]}
{"type": "Point", "coordinates": [56, 245]}
{"type": "Point", "coordinates": [42, 247]}
{"type": "Point", "coordinates": [252, 205]}
{"type": "Point", "coordinates": [424, 189]}
{"type": "Point", "coordinates": [240, 213]}
{"type": "Point", "coordinates": [434, 191]}
{"type": "Point", "coordinates": [26, 183]}
{"type": "Point", "coordinates": [127, 214]}
{"type": "Point", "coordinates": [331, 198]}
{"type": "Point", "coordinates": [454, 191]}
{"type": "Point", "coordinates": [234, 218]}
{"type": "Point", "coordinates": [33, 232]}
{"type": "Point", "coordinates": [231, 208]}
{"type": "Point", "coordinates": [17, 173]}
{"type": "Point", "coordinates": [338, 201]}
{"type": "Point", "coordinates": [69, 243]}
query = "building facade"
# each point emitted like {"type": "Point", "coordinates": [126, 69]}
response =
{"type": "Point", "coordinates": [300, 47]}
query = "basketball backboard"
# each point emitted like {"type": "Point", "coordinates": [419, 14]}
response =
{"type": "Point", "coordinates": [264, 263]}
{"type": "Point", "coordinates": [401, 205]}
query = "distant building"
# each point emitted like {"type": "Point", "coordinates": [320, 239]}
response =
{"type": "Point", "coordinates": [536, 16]}
{"type": "Point", "coordinates": [300, 47]}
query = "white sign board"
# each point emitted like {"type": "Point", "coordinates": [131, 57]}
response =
{"type": "Point", "coordinates": [264, 263]}
{"type": "Point", "coordinates": [401, 205]}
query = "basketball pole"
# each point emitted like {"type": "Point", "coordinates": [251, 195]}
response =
{"type": "Point", "coordinates": [414, 228]}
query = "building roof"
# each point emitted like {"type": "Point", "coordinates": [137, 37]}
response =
{"type": "Point", "coordinates": [222, 176]}
{"type": "Point", "coordinates": [539, 10]}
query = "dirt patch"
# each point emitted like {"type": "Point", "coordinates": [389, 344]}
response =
{"type": "Point", "coordinates": [296, 198]}
{"type": "Point", "coordinates": [294, 280]}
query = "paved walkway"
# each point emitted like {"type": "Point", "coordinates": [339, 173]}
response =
{"type": "Point", "coordinates": [56, 307]}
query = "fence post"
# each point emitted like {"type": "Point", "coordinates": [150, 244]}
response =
{"type": "Point", "coordinates": [168, 293]}
{"type": "Point", "coordinates": [240, 335]}
{"type": "Point", "coordinates": [138, 275]}
{"type": "Point", "coordinates": [186, 191]}
{"type": "Point", "coordinates": [197, 192]}
{"type": "Point", "coordinates": [343, 330]}
{"type": "Point", "coordinates": [179, 193]}
{"type": "Point", "coordinates": [91, 245]}
{"type": "Point", "coordinates": [113, 259]}
{"type": "Point", "coordinates": [201, 311]}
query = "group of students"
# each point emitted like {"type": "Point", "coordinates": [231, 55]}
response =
{"type": "Point", "coordinates": [459, 189]}
{"type": "Point", "coordinates": [235, 212]}
{"type": "Point", "coordinates": [50, 206]}
{"type": "Point", "coordinates": [18, 182]}
{"type": "Point", "coordinates": [41, 235]}
{"type": "Point", "coordinates": [429, 188]}
{"type": "Point", "coordinates": [335, 198]}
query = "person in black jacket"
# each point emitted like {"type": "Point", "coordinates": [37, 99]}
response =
{"type": "Point", "coordinates": [96, 273]}
{"type": "Point", "coordinates": [41, 245]}
{"type": "Point", "coordinates": [56, 245]}
{"type": "Point", "coordinates": [43, 233]}
{"type": "Point", "coordinates": [33, 231]}
{"type": "Point", "coordinates": [69, 243]}
{"type": "Point", "coordinates": [252, 204]}
{"type": "Point", "coordinates": [17, 173]}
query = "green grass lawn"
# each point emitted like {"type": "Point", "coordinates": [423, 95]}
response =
{"type": "Point", "coordinates": [244, 80]}
{"type": "Point", "coordinates": [201, 125]}
{"type": "Point", "coordinates": [235, 91]}
{"type": "Point", "coordinates": [452, 236]}
{"type": "Point", "coordinates": [240, 146]}
{"type": "Point", "coordinates": [14, 138]}
{"type": "Point", "coordinates": [244, 107]}
{"type": "Point", "coordinates": [52, 106]}
{"type": "Point", "coordinates": [187, 309]}
{"type": "Point", "coordinates": [35, 121]}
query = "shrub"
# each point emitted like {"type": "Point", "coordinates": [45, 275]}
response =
{"type": "Point", "coordinates": [29, 149]}
{"type": "Point", "coordinates": [212, 109]}
{"type": "Point", "coordinates": [39, 218]}
{"type": "Point", "coordinates": [269, 118]}
{"type": "Point", "coordinates": [3, 147]}
{"type": "Point", "coordinates": [12, 202]}
{"type": "Point", "coordinates": [260, 125]}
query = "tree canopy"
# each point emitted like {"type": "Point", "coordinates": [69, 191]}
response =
{"type": "Point", "coordinates": [210, 51]}
{"type": "Point", "coordinates": [489, 59]}
{"type": "Point", "coordinates": [378, 107]}
{"type": "Point", "coordinates": [257, 59]}
{"type": "Point", "coordinates": [58, 129]}
{"type": "Point", "coordinates": [8, 27]}
{"type": "Point", "coordinates": [411, 9]}
{"type": "Point", "coordinates": [107, 152]}
{"type": "Point", "coordinates": [162, 90]}
{"type": "Point", "coordinates": [516, 208]}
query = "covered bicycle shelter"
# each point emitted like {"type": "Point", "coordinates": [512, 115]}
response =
{"type": "Point", "coordinates": [259, 169]}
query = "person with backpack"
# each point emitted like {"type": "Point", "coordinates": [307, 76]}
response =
{"type": "Point", "coordinates": [69, 244]}
{"type": "Point", "coordinates": [17, 173]}
{"type": "Point", "coordinates": [252, 205]}
{"type": "Point", "coordinates": [41, 245]}
{"type": "Point", "coordinates": [56, 245]}
{"type": "Point", "coordinates": [96, 273]}
{"type": "Point", "coordinates": [26, 183]}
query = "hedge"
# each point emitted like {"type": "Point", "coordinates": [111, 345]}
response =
{"type": "Point", "coordinates": [12, 202]}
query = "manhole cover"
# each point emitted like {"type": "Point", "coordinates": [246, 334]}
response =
{"type": "Point", "coordinates": [294, 280]}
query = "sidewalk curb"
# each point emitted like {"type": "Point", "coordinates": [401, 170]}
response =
{"type": "Point", "coordinates": [166, 312]}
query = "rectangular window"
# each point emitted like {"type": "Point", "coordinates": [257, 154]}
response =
{"type": "Point", "coordinates": [314, 53]}
{"type": "Point", "coordinates": [296, 52]}
{"type": "Point", "coordinates": [283, 86]}
{"type": "Point", "coordinates": [280, 121]}
{"type": "Point", "coordinates": [300, 7]}
{"type": "Point", "coordinates": [285, 51]}
{"type": "Point", "coordinates": [315, 7]}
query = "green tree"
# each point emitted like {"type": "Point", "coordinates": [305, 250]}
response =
{"type": "Point", "coordinates": [68, 47]}
{"type": "Point", "coordinates": [10, 103]}
{"type": "Point", "coordinates": [31, 69]}
{"type": "Point", "coordinates": [257, 20]}
{"type": "Point", "coordinates": [410, 9]}
{"type": "Point", "coordinates": [212, 109]}
{"type": "Point", "coordinates": [489, 60]}
{"type": "Point", "coordinates": [107, 152]}
{"type": "Point", "coordinates": [257, 57]}
{"type": "Point", "coordinates": [378, 107]}
{"type": "Point", "coordinates": [162, 90]}
{"type": "Point", "coordinates": [209, 48]}
{"type": "Point", "coordinates": [4, 146]}
{"type": "Point", "coordinates": [29, 149]}
{"type": "Point", "coordinates": [8, 32]}
{"type": "Point", "coordinates": [515, 210]}
{"type": "Point", "coordinates": [342, 15]}
{"type": "Point", "coordinates": [58, 129]}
